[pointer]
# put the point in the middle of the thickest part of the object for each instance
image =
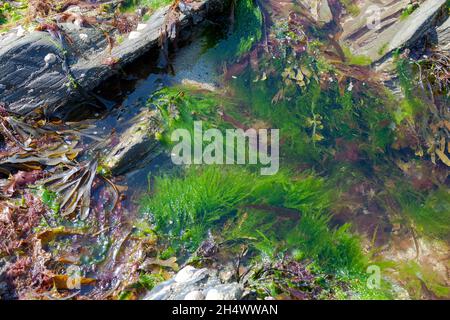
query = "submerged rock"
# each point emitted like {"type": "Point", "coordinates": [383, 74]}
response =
{"type": "Point", "coordinates": [194, 67]}
{"type": "Point", "coordinates": [6, 292]}
{"type": "Point", "coordinates": [195, 284]}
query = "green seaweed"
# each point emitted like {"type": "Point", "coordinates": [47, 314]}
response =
{"type": "Point", "coordinates": [50, 199]}
{"type": "Point", "coordinates": [410, 8]}
{"type": "Point", "coordinates": [412, 104]}
{"type": "Point", "coordinates": [11, 13]}
{"type": "Point", "coordinates": [358, 60]}
{"type": "Point", "coordinates": [180, 106]}
{"type": "Point", "coordinates": [351, 7]}
{"type": "Point", "coordinates": [245, 32]}
{"type": "Point", "coordinates": [185, 208]}
{"type": "Point", "coordinates": [422, 282]}
{"type": "Point", "coordinates": [310, 118]}
{"type": "Point", "coordinates": [430, 214]}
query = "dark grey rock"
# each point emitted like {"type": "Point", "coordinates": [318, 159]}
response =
{"type": "Point", "coordinates": [28, 81]}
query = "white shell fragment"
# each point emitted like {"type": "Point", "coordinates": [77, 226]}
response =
{"type": "Point", "coordinates": [50, 59]}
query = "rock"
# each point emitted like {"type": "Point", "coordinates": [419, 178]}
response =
{"type": "Point", "coordinates": [23, 67]}
{"type": "Point", "coordinates": [6, 292]}
{"type": "Point", "coordinates": [190, 273]}
{"type": "Point", "coordinates": [195, 295]}
{"type": "Point", "coordinates": [134, 35]}
{"type": "Point", "coordinates": [81, 66]}
{"type": "Point", "coordinates": [161, 291]}
{"type": "Point", "coordinates": [319, 10]}
{"type": "Point", "coordinates": [364, 36]}
{"type": "Point", "coordinates": [192, 67]}
{"type": "Point", "coordinates": [195, 284]}
{"type": "Point", "coordinates": [443, 36]}
{"type": "Point", "coordinates": [50, 59]}
{"type": "Point", "coordinates": [417, 24]}
{"type": "Point", "coordinates": [324, 12]}
{"type": "Point", "coordinates": [214, 294]}
{"type": "Point", "coordinates": [230, 291]}
{"type": "Point", "coordinates": [137, 145]}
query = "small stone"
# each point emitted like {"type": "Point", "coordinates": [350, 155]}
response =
{"type": "Point", "coordinates": [214, 294]}
{"type": "Point", "coordinates": [50, 59]}
{"type": "Point", "coordinates": [185, 274]}
{"type": "Point", "coordinates": [195, 295]}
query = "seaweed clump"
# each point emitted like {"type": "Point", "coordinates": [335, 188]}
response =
{"type": "Point", "coordinates": [185, 208]}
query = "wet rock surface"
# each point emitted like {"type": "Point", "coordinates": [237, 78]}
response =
{"type": "Point", "coordinates": [195, 284]}
{"type": "Point", "coordinates": [137, 145]}
{"type": "Point", "coordinates": [443, 35]}
{"type": "Point", "coordinates": [375, 38]}
{"type": "Point", "coordinates": [29, 79]}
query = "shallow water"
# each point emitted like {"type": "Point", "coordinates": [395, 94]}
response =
{"type": "Point", "coordinates": [335, 131]}
{"type": "Point", "coordinates": [196, 65]}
